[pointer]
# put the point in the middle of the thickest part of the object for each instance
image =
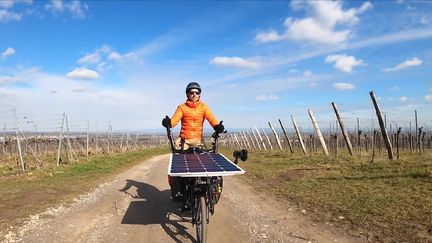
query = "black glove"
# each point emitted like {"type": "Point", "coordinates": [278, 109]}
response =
{"type": "Point", "coordinates": [219, 128]}
{"type": "Point", "coordinates": [166, 122]}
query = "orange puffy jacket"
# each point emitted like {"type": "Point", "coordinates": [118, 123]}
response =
{"type": "Point", "coordinates": [192, 115]}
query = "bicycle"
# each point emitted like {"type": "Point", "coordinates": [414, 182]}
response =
{"type": "Point", "coordinates": [202, 190]}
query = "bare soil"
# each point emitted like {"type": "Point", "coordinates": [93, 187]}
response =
{"type": "Point", "coordinates": [135, 206]}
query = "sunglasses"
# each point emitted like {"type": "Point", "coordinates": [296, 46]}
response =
{"type": "Point", "coordinates": [194, 92]}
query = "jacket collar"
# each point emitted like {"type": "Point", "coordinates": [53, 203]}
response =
{"type": "Point", "coordinates": [192, 104]}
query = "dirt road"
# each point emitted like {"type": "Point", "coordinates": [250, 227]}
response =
{"type": "Point", "coordinates": [135, 207]}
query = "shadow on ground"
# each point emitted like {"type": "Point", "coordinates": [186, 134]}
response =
{"type": "Point", "coordinates": [153, 206]}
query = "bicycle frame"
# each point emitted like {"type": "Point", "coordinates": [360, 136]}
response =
{"type": "Point", "coordinates": [200, 187]}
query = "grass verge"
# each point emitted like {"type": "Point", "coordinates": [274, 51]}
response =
{"type": "Point", "coordinates": [388, 201]}
{"type": "Point", "coordinates": [33, 192]}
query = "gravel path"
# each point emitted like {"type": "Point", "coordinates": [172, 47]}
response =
{"type": "Point", "coordinates": [135, 207]}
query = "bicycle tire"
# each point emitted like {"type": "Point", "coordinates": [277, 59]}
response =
{"type": "Point", "coordinates": [201, 222]}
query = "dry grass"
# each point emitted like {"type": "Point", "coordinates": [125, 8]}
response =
{"type": "Point", "coordinates": [382, 201]}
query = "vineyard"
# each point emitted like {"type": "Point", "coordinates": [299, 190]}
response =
{"type": "Point", "coordinates": [377, 137]}
{"type": "Point", "coordinates": [370, 177]}
{"type": "Point", "coordinates": [72, 143]}
{"type": "Point", "coordinates": [25, 144]}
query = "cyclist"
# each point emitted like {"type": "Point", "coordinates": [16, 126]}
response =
{"type": "Point", "coordinates": [191, 114]}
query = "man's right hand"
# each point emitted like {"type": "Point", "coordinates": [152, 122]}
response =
{"type": "Point", "coordinates": [219, 128]}
{"type": "Point", "coordinates": [166, 122]}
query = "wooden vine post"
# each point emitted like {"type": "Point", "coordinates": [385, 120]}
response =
{"type": "Point", "coordinates": [23, 165]}
{"type": "Point", "coordinates": [261, 139]}
{"type": "Point", "coordinates": [318, 131]}
{"type": "Point", "coordinates": [248, 145]}
{"type": "Point", "coordinates": [286, 137]}
{"type": "Point", "coordinates": [276, 136]}
{"type": "Point", "coordinates": [298, 135]}
{"type": "Point", "coordinates": [87, 138]}
{"type": "Point", "coordinates": [344, 132]}
{"type": "Point", "coordinates": [397, 141]}
{"type": "Point", "coordinates": [256, 139]}
{"type": "Point", "coordinates": [382, 126]}
{"type": "Point", "coordinates": [236, 140]}
{"type": "Point", "coordinates": [250, 137]}
{"type": "Point", "coordinates": [268, 139]}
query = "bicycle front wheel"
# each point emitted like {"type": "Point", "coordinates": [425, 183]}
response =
{"type": "Point", "coordinates": [201, 221]}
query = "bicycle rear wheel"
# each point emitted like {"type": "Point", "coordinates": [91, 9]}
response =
{"type": "Point", "coordinates": [201, 221]}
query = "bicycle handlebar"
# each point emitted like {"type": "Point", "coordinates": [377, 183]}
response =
{"type": "Point", "coordinates": [215, 137]}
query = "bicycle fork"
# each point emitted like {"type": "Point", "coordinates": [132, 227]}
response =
{"type": "Point", "coordinates": [202, 188]}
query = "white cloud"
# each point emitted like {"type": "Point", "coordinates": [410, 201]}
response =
{"type": "Point", "coordinates": [83, 73]}
{"type": "Point", "coordinates": [398, 37]}
{"type": "Point", "coordinates": [403, 99]}
{"type": "Point", "coordinates": [428, 98]}
{"type": "Point", "coordinates": [50, 94]}
{"type": "Point", "coordinates": [6, 16]}
{"type": "Point", "coordinates": [395, 88]}
{"type": "Point", "coordinates": [310, 29]}
{"type": "Point", "coordinates": [406, 64]}
{"type": "Point", "coordinates": [321, 26]}
{"type": "Point", "coordinates": [6, 3]}
{"type": "Point", "coordinates": [91, 58]}
{"type": "Point", "coordinates": [6, 79]}
{"type": "Point", "coordinates": [80, 89]}
{"type": "Point", "coordinates": [102, 66]}
{"type": "Point", "coordinates": [270, 36]}
{"type": "Point", "coordinates": [307, 73]}
{"type": "Point", "coordinates": [313, 84]}
{"type": "Point", "coordinates": [55, 6]}
{"type": "Point", "coordinates": [114, 96]}
{"type": "Point", "coordinates": [264, 97]}
{"type": "Point", "coordinates": [76, 8]}
{"type": "Point", "coordinates": [8, 52]}
{"type": "Point", "coordinates": [235, 61]}
{"type": "Point", "coordinates": [114, 56]}
{"type": "Point", "coordinates": [100, 57]}
{"type": "Point", "coordinates": [424, 20]}
{"type": "Point", "coordinates": [344, 86]}
{"type": "Point", "coordinates": [11, 3]}
{"type": "Point", "coordinates": [343, 62]}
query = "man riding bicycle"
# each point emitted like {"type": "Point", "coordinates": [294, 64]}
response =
{"type": "Point", "coordinates": [191, 114]}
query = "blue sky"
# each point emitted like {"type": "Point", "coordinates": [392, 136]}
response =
{"type": "Point", "coordinates": [128, 62]}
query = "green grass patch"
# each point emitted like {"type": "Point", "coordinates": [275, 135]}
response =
{"type": "Point", "coordinates": [383, 200]}
{"type": "Point", "coordinates": [24, 194]}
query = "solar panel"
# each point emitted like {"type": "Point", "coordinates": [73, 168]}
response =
{"type": "Point", "coordinates": [205, 164]}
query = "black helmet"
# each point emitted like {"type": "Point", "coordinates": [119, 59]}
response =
{"type": "Point", "coordinates": [193, 85]}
